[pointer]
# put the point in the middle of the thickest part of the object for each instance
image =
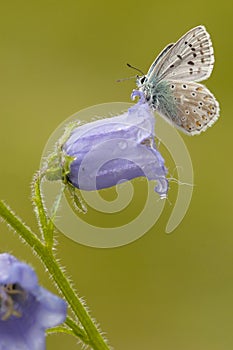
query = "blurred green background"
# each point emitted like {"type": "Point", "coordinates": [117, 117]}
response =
{"type": "Point", "coordinates": [162, 291]}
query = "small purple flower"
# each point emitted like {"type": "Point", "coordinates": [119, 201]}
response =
{"type": "Point", "coordinates": [105, 152]}
{"type": "Point", "coordinates": [26, 309]}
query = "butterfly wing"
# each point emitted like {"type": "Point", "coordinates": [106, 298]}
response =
{"type": "Point", "coordinates": [188, 105]}
{"type": "Point", "coordinates": [158, 58]}
{"type": "Point", "coordinates": [191, 58]}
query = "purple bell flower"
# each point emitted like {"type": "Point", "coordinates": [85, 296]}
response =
{"type": "Point", "coordinates": [26, 309]}
{"type": "Point", "coordinates": [105, 152]}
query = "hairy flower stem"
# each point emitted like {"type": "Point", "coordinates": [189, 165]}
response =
{"type": "Point", "coordinates": [96, 340]}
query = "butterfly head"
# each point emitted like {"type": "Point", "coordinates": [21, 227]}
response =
{"type": "Point", "coordinates": [140, 81]}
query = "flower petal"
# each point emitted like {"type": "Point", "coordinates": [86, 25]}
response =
{"type": "Point", "coordinates": [26, 309]}
{"type": "Point", "coordinates": [117, 149]}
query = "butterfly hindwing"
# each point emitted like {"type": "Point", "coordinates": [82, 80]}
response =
{"type": "Point", "coordinates": [190, 106]}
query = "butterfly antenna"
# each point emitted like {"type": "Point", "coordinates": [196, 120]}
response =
{"type": "Point", "coordinates": [120, 80]}
{"type": "Point", "coordinates": [139, 70]}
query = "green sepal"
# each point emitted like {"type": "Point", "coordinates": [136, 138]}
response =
{"type": "Point", "coordinates": [58, 166]}
{"type": "Point", "coordinates": [58, 163]}
{"type": "Point", "coordinates": [76, 198]}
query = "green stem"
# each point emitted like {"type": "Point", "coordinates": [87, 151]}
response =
{"type": "Point", "coordinates": [95, 338]}
{"type": "Point", "coordinates": [54, 211]}
{"type": "Point", "coordinates": [37, 200]}
{"type": "Point", "coordinates": [25, 232]}
{"type": "Point", "coordinates": [60, 329]}
{"type": "Point", "coordinates": [76, 330]}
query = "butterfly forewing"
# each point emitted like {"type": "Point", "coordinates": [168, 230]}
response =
{"type": "Point", "coordinates": [191, 58]}
{"type": "Point", "coordinates": [160, 56]}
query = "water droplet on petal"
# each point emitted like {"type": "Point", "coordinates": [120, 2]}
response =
{"type": "Point", "coordinates": [140, 135]}
{"type": "Point", "coordinates": [122, 144]}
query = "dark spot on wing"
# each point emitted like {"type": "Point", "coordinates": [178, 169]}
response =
{"type": "Point", "coordinates": [191, 63]}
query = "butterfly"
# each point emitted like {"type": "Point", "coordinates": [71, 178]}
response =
{"type": "Point", "coordinates": [170, 86]}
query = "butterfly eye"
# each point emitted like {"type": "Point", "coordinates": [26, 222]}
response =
{"type": "Point", "coordinates": [142, 80]}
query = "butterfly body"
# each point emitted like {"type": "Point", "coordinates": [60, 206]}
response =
{"type": "Point", "coordinates": [171, 87]}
